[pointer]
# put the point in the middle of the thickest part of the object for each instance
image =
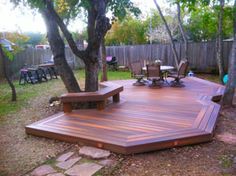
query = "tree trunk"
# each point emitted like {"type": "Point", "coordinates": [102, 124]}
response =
{"type": "Point", "coordinates": [219, 54]}
{"type": "Point", "coordinates": [58, 49]}
{"type": "Point", "coordinates": [182, 32]}
{"type": "Point", "coordinates": [169, 33]}
{"type": "Point", "coordinates": [231, 84]}
{"type": "Point", "coordinates": [98, 25]}
{"type": "Point", "coordinates": [13, 90]}
{"type": "Point", "coordinates": [104, 64]}
{"type": "Point", "coordinates": [91, 76]}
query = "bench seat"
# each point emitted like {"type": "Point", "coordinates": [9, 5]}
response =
{"type": "Point", "coordinates": [107, 90]}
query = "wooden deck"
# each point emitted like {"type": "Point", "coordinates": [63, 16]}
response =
{"type": "Point", "coordinates": [146, 119]}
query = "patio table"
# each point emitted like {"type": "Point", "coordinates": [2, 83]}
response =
{"type": "Point", "coordinates": [164, 69]}
{"type": "Point", "coordinates": [33, 75]}
{"type": "Point", "coordinates": [49, 69]}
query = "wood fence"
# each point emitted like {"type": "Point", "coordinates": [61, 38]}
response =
{"type": "Point", "coordinates": [202, 56]}
{"type": "Point", "coordinates": [31, 57]}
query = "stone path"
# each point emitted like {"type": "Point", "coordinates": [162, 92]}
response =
{"type": "Point", "coordinates": [227, 138]}
{"type": "Point", "coordinates": [85, 169]}
{"type": "Point", "coordinates": [85, 162]}
{"type": "Point", "coordinates": [94, 152]}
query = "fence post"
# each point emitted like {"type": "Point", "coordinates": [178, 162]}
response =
{"type": "Point", "coordinates": [196, 54]}
{"type": "Point", "coordinates": [124, 55]}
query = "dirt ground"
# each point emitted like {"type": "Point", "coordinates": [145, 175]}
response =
{"type": "Point", "coordinates": [20, 153]}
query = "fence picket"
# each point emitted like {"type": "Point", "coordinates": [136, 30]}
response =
{"type": "Point", "coordinates": [202, 56]}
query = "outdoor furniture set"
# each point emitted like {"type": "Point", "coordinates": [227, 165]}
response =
{"type": "Point", "coordinates": [37, 74]}
{"type": "Point", "coordinates": [158, 74]}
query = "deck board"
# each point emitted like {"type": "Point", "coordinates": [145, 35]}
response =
{"type": "Point", "coordinates": [146, 119]}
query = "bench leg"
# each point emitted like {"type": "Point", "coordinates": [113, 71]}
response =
{"type": "Point", "coordinates": [101, 105]}
{"type": "Point", "coordinates": [116, 98]}
{"type": "Point", "coordinates": [67, 107]}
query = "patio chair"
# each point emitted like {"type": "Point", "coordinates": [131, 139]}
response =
{"type": "Point", "coordinates": [154, 74]}
{"type": "Point", "coordinates": [180, 74]}
{"type": "Point", "coordinates": [136, 72]}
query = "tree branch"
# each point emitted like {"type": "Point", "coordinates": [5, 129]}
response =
{"type": "Point", "coordinates": [231, 84]}
{"type": "Point", "coordinates": [98, 25]}
{"type": "Point", "coordinates": [219, 47]}
{"type": "Point", "coordinates": [13, 90]}
{"type": "Point", "coordinates": [182, 31]}
{"type": "Point", "coordinates": [169, 33]}
{"type": "Point", "coordinates": [64, 30]}
{"type": "Point", "coordinates": [234, 19]}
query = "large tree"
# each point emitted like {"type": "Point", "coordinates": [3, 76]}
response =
{"type": "Point", "coordinates": [19, 41]}
{"type": "Point", "coordinates": [231, 84]}
{"type": "Point", "coordinates": [182, 31]}
{"type": "Point", "coordinates": [98, 25]}
{"type": "Point", "coordinates": [219, 43]}
{"type": "Point", "coordinates": [3, 57]}
{"type": "Point", "coordinates": [58, 47]}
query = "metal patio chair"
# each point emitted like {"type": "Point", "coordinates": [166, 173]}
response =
{"type": "Point", "coordinates": [136, 72]}
{"type": "Point", "coordinates": [180, 74]}
{"type": "Point", "coordinates": [154, 74]}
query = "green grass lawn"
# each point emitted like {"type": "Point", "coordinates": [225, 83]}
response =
{"type": "Point", "coordinates": [112, 75]}
{"type": "Point", "coordinates": [28, 91]}
{"type": "Point", "coordinates": [209, 77]}
{"type": "Point", "coordinates": [24, 93]}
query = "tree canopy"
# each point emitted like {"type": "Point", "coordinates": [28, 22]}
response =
{"type": "Point", "coordinates": [20, 40]}
{"type": "Point", "coordinates": [72, 8]}
{"type": "Point", "coordinates": [202, 23]}
{"type": "Point", "coordinates": [133, 30]}
{"type": "Point", "coordinates": [157, 31]}
{"type": "Point", "coordinates": [35, 38]}
{"type": "Point", "coordinates": [127, 31]}
{"type": "Point", "coordinates": [56, 14]}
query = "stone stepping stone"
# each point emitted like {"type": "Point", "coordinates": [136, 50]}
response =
{"type": "Point", "coordinates": [64, 156]}
{"type": "Point", "coordinates": [56, 174]}
{"type": "Point", "coordinates": [94, 153]}
{"type": "Point", "coordinates": [85, 169]}
{"type": "Point", "coordinates": [107, 162]}
{"type": "Point", "coordinates": [68, 164]}
{"type": "Point", "coordinates": [43, 170]}
{"type": "Point", "coordinates": [227, 138]}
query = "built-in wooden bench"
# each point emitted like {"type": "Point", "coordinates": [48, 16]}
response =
{"type": "Point", "coordinates": [107, 90]}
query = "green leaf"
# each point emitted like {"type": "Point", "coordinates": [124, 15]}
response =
{"type": "Point", "coordinates": [8, 54]}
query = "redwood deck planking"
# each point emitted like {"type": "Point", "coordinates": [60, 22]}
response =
{"type": "Point", "coordinates": [145, 119]}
